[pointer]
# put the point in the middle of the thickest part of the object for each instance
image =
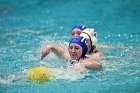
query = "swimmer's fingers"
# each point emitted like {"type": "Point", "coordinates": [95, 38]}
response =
{"type": "Point", "coordinates": [42, 57]}
{"type": "Point", "coordinates": [45, 51]}
{"type": "Point", "coordinates": [43, 54]}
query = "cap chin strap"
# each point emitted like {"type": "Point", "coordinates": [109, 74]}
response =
{"type": "Point", "coordinates": [90, 42]}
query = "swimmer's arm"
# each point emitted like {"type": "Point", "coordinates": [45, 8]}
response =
{"type": "Point", "coordinates": [60, 52]}
{"type": "Point", "coordinates": [99, 54]}
{"type": "Point", "coordinates": [92, 64]}
{"type": "Point", "coordinates": [103, 45]}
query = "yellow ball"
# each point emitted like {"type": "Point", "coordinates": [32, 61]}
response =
{"type": "Point", "coordinates": [39, 74]}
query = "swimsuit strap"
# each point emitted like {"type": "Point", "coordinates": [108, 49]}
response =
{"type": "Point", "coordinates": [74, 61]}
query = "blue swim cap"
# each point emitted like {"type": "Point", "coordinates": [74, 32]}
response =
{"type": "Point", "coordinates": [82, 42]}
{"type": "Point", "coordinates": [82, 27]}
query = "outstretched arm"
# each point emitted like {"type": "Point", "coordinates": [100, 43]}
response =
{"type": "Point", "coordinates": [60, 52]}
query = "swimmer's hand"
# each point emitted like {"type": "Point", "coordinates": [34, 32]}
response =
{"type": "Point", "coordinates": [45, 51]}
{"type": "Point", "coordinates": [99, 54]}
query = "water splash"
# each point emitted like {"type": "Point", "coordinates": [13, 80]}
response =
{"type": "Point", "coordinates": [13, 77]}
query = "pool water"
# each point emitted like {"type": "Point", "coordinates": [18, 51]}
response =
{"type": "Point", "coordinates": [27, 25]}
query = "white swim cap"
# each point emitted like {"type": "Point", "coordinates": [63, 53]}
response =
{"type": "Point", "coordinates": [90, 33]}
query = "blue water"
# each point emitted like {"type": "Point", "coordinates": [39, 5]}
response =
{"type": "Point", "coordinates": [27, 25]}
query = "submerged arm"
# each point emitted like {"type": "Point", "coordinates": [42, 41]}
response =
{"type": "Point", "coordinates": [98, 53]}
{"type": "Point", "coordinates": [91, 64]}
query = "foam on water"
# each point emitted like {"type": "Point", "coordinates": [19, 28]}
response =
{"type": "Point", "coordinates": [26, 26]}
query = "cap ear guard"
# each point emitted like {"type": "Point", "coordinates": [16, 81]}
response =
{"type": "Point", "coordinates": [89, 39]}
{"type": "Point", "coordinates": [95, 34]}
